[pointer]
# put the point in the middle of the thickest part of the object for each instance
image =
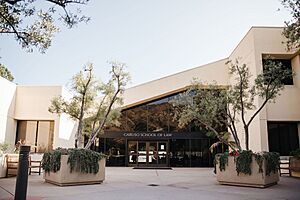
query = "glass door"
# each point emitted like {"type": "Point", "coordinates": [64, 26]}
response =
{"type": "Point", "coordinates": [142, 153]}
{"type": "Point", "coordinates": [148, 153]}
{"type": "Point", "coordinates": [162, 153]}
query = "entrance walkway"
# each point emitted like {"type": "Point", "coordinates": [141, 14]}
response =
{"type": "Point", "coordinates": [177, 184]}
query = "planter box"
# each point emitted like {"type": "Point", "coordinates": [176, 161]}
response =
{"type": "Point", "coordinates": [256, 179]}
{"type": "Point", "coordinates": [295, 166]}
{"type": "Point", "coordinates": [3, 166]}
{"type": "Point", "coordinates": [64, 177]}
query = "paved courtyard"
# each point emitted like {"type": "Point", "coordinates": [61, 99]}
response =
{"type": "Point", "coordinates": [135, 184]}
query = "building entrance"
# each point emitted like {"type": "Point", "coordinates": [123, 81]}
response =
{"type": "Point", "coordinates": [148, 153]}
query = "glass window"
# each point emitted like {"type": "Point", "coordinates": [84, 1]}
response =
{"type": "Point", "coordinates": [283, 137]}
{"type": "Point", "coordinates": [115, 149]}
{"type": "Point", "coordinates": [158, 112]}
{"type": "Point", "coordinates": [200, 154]}
{"type": "Point", "coordinates": [286, 64]}
{"type": "Point", "coordinates": [180, 153]}
{"type": "Point", "coordinates": [137, 118]}
{"type": "Point", "coordinates": [37, 134]}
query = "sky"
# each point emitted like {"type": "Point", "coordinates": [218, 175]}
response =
{"type": "Point", "coordinates": [155, 38]}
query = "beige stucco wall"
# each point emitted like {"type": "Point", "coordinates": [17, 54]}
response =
{"type": "Point", "coordinates": [7, 109]}
{"type": "Point", "coordinates": [261, 41]}
{"type": "Point", "coordinates": [269, 41]}
{"type": "Point", "coordinates": [257, 42]}
{"type": "Point", "coordinates": [245, 54]}
{"type": "Point", "coordinates": [216, 71]}
{"type": "Point", "coordinates": [66, 128]}
{"type": "Point", "coordinates": [31, 103]}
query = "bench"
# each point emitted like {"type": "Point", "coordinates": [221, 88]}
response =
{"type": "Point", "coordinates": [284, 166]}
{"type": "Point", "coordinates": [12, 163]}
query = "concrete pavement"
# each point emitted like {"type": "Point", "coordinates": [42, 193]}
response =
{"type": "Point", "coordinates": [135, 184]}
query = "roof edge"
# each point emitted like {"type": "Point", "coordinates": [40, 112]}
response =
{"type": "Point", "coordinates": [176, 73]}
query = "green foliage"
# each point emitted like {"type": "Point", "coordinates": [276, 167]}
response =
{"type": "Point", "coordinates": [94, 104]}
{"type": "Point", "coordinates": [218, 109]}
{"type": "Point", "coordinates": [243, 162]}
{"type": "Point", "coordinates": [107, 110]}
{"type": "Point", "coordinates": [84, 90]}
{"type": "Point", "coordinates": [259, 158]}
{"type": "Point", "coordinates": [5, 73]}
{"type": "Point", "coordinates": [222, 159]}
{"type": "Point", "coordinates": [4, 148]}
{"type": "Point", "coordinates": [272, 162]}
{"type": "Point", "coordinates": [295, 153]}
{"type": "Point", "coordinates": [33, 25]}
{"type": "Point", "coordinates": [292, 29]}
{"type": "Point", "coordinates": [51, 161]}
{"type": "Point", "coordinates": [270, 82]}
{"type": "Point", "coordinates": [80, 160]}
{"type": "Point", "coordinates": [84, 160]}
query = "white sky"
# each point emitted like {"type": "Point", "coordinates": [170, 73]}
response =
{"type": "Point", "coordinates": [154, 38]}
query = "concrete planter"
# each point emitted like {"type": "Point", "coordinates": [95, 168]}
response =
{"type": "Point", "coordinates": [295, 166]}
{"type": "Point", "coordinates": [3, 166]}
{"type": "Point", "coordinates": [256, 179]}
{"type": "Point", "coordinates": [64, 177]}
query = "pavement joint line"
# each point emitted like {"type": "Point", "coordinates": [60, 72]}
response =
{"type": "Point", "coordinates": [7, 191]}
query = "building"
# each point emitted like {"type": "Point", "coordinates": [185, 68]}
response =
{"type": "Point", "coordinates": [148, 136]}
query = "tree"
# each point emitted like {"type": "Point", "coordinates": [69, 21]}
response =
{"type": "Point", "coordinates": [94, 105]}
{"type": "Point", "coordinates": [32, 22]}
{"type": "Point", "coordinates": [107, 111]}
{"type": "Point", "coordinates": [292, 29]}
{"type": "Point", "coordinates": [216, 107]}
{"type": "Point", "coordinates": [5, 73]}
{"type": "Point", "coordinates": [83, 88]}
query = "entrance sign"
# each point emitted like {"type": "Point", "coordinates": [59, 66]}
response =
{"type": "Point", "coordinates": [148, 135]}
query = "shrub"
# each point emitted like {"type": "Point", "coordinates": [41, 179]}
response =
{"type": "Point", "coordinates": [80, 160]}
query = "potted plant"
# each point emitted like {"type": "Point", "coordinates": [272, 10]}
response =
{"type": "Point", "coordinates": [295, 163]}
{"type": "Point", "coordinates": [93, 106]}
{"type": "Point", "coordinates": [246, 168]}
{"type": "Point", "coordinates": [73, 167]}
{"type": "Point", "coordinates": [226, 112]}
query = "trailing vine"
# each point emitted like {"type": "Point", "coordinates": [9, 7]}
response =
{"type": "Point", "coordinates": [51, 161]}
{"type": "Point", "coordinates": [259, 158]}
{"type": "Point", "coordinates": [295, 153]}
{"type": "Point", "coordinates": [222, 159]}
{"type": "Point", "coordinates": [272, 162]}
{"type": "Point", "coordinates": [84, 160]}
{"type": "Point", "coordinates": [243, 162]}
{"type": "Point", "coordinates": [81, 160]}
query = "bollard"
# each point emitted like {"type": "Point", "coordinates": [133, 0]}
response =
{"type": "Point", "coordinates": [22, 177]}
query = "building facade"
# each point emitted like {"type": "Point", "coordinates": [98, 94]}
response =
{"type": "Point", "coordinates": [149, 135]}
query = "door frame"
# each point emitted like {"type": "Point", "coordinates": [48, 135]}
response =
{"type": "Point", "coordinates": [147, 154]}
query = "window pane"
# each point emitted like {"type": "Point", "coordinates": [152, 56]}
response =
{"type": "Point", "coordinates": [137, 119]}
{"type": "Point", "coordinates": [179, 153]}
{"type": "Point", "coordinates": [116, 151]}
{"type": "Point", "coordinates": [40, 141]}
{"type": "Point", "coordinates": [45, 133]}
{"type": "Point", "coordinates": [286, 64]}
{"type": "Point", "coordinates": [158, 119]}
{"type": "Point", "coordinates": [283, 137]}
{"type": "Point", "coordinates": [31, 134]}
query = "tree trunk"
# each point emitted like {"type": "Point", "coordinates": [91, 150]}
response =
{"type": "Point", "coordinates": [76, 143]}
{"type": "Point", "coordinates": [246, 137]}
